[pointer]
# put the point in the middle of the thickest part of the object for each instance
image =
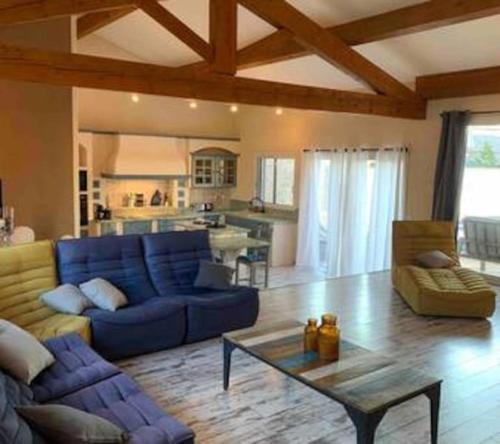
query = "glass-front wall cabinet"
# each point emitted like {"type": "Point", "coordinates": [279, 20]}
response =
{"type": "Point", "coordinates": [214, 167]}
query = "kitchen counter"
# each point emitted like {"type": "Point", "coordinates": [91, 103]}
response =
{"type": "Point", "coordinates": [227, 231]}
{"type": "Point", "coordinates": [269, 217]}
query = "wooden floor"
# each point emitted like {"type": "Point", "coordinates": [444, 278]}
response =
{"type": "Point", "coordinates": [263, 406]}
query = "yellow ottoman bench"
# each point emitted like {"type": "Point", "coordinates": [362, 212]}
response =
{"type": "Point", "coordinates": [445, 292]}
{"type": "Point", "coordinates": [27, 271]}
{"type": "Point", "coordinates": [454, 291]}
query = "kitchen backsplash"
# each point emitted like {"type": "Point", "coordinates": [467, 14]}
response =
{"type": "Point", "coordinates": [117, 190]}
{"type": "Point", "coordinates": [220, 197]}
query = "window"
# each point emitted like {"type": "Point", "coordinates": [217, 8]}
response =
{"type": "Point", "coordinates": [276, 180]}
{"type": "Point", "coordinates": [479, 227]}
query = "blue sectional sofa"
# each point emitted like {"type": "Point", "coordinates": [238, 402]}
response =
{"type": "Point", "coordinates": [80, 378]}
{"type": "Point", "coordinates": [156, 272]}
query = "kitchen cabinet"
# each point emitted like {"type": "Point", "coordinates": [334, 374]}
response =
{"type": "Point", "coordinates": [214, 168]}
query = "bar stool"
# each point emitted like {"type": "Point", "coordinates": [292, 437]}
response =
{"type": "Point", "coordinates": [254, 259]}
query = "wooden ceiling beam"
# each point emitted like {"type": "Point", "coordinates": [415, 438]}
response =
{"type": "Point", "coordinates": [279, 46]}
{"type": "Point", "coordinates": [23, 11]}
{"type": "Point", "coordinates": [327, 45]}
{"type": "Point", "coordinates": [223, 36]}
{"type": "Point", "coordinates": [176, 27]}
{"type": "Point", "coordinates": [89, 23]}
{"type": "Point", "coordinates": [474, 82]}
{"type": "Point", "coordinates": [75, 70]}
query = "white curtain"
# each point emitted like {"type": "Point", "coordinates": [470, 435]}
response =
{"type": "Point", "coordinates": [349, 199]}
{"type": "Point", "coordinates": [309, 235]}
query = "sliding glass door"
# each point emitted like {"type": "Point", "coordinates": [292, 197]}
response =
{"type": "Point", "coordinates": [479, 225]}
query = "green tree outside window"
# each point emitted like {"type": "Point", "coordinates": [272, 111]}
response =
{"type": "Point", "coordinates": [482, 157]}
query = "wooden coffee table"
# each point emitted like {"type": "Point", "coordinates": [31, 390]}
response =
{"type": "Point", "coordinates": [367, 384]}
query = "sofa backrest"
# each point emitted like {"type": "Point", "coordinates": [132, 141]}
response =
{"type": "Point", "coordinates": [26, 271]}
{"type": "Point", "coordinates": [13, 428]}
{"type": "Point", "coordinates": [411, 238]}
{"type": "Point", "coordinates": [173, 259]}
{"type": "Point", "coordinates": [118, 259]}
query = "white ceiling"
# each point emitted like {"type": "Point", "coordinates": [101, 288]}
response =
{"type": "Point", "coordinates": [467, 45]}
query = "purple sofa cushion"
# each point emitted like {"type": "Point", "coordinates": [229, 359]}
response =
{"type": "Point", "coordinates": [173, 259]}
{"type": "Point", "coordinates": [121, 401]}
{"type": "Point", "coordinates": [13, 428]}
{"type": "Point", "coordinates": [154, 309]}
{"type": "Point", "coordinates": [212, 312]}
{"type": "Point", "coordinates": [76, 366]}
{"type": "Point", "coordinates": [118, 259]}
{"type": "Point", "coordinates": [156, 324]}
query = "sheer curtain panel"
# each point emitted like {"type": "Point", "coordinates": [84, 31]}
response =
{"type": "Point", "coordinates": [348, 201]}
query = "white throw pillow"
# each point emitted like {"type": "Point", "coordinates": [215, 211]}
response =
{"type": "Point", "coordinates": [66, 299]}
{"type": "Point", "coordinates": [21, 354]}
{"type": "Point", "coordinates": [103, 294]}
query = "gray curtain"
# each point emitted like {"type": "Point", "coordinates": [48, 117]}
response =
{"type": "Point", "coordinates": [450, 166]}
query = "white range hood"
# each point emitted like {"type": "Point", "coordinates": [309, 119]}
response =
{"type": "Point", "coordinates": [148, 157]}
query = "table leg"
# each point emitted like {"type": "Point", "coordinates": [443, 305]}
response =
{"type": "Point", "coordinates": [434, 395]}
{"type": "Point", "coordinates": [228, 348]}
{"type": "Point", "coordinates": [268, 264]}
{"type": "Point", "coordinates": [366, 424]}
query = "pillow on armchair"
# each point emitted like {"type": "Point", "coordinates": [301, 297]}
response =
{"type": "Point", "coordinates": [435, 259]}
{"type": "Point", "coordinates": [66, 299]}
{"type": "Point", "coordinates": [214, 276]}
{"type": "Point", "coordinates": [103, 294]}
{"type": "Point", "coordinates": [63, 424]}
{"type": "Point", "coordinates": [21, 354]}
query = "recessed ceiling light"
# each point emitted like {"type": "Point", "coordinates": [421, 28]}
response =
{"type": "Point", "coordinates": [234, 108]}
{"type": "Point", "coordinates": [135, 98]}
{"type": "Point", "coordinates": [279, 111]}
{"type": "Point", "coordinates": [193, 104]}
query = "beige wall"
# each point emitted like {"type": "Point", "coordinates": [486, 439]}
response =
{"type": "Point", "coordinates": [115, 111]}
{"type": "Point", "coordinates": [262, 132]}
{"type": "Point", "coordinates": [37, 150]}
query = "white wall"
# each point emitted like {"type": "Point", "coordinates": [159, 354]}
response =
{"type": "Point", "coordinates": [115, 111]}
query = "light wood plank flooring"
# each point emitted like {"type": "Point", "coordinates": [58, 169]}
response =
{"type": "Point", "coordinates": [263, 406]}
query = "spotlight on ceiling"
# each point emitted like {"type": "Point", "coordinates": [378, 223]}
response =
{"type": "Point", "coordinates": [234, 108]}
{"type": "Point", "coordinates": [279, 111]}
{"type": "Point", "coordinates": [135, 98]}
{"type": "Point", "coordinates": [193, 104]}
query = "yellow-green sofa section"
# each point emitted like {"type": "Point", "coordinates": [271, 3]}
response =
{"type": "Point", "coordinates": [27, 271]}
{"type": "Point", "coordinates": [454, 291]}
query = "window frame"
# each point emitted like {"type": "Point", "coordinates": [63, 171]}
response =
{"type": "Point", "coordinates": [259, 178]}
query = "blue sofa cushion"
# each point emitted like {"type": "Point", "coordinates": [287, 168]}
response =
{"type": "Point", "coordinates": [156, 324]}
{"type": "Point", "coordinates": [77, 366]}
{"type": "Point", "coordinates": [173, 259]}
{"type": "Point", "coordinates": [118, 259]}
{"type": "Point", "coordinates": [211, 313]}
{"type": "Point", "coordinates": [13, 428]}
{"type": "Point", "coordinates": [121, 401]}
